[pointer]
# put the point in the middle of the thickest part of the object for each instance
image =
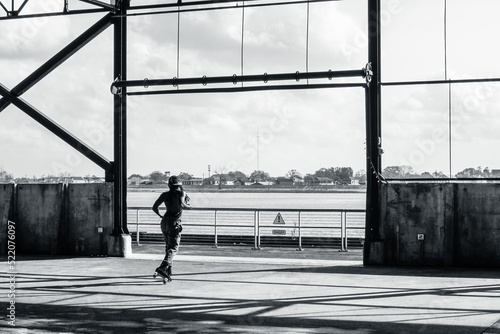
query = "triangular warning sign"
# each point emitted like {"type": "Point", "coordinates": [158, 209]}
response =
{"type": "Point", "coordinates": [279, 219]}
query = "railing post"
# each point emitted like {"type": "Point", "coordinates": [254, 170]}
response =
{"type": "Point", "coordinates": [343, 232]}
{"type": "Point", "coordinates": [258, 229]}
{"type": "Point", "coordinates": [345, 224]}
{"type": "Point", "coordinates": [255, 230]}
{"type": "Point", "coordinates": [137, 227]}
{"type": "Point", "coordinates": [215, 227]}
{"type": "Point", "coordinates": [300, 234]}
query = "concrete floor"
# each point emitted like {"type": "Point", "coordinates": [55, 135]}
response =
{"type": "Point", "coordinates": [240, 290]}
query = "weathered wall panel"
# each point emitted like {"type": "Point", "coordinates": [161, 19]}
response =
{"type": "Point", "coordinates": [51, 219]}
{"type": "Point", "coordinates": [39, 211]}
{"type": "Point", "coordinates": [460, 224]}
{"type": "Point", "coordinates": [90, 213]}
{"type": "Point", "coordinates": [478, 225]}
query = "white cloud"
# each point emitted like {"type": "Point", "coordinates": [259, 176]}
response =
{"type": "Point", "coordinates": [305, 130]}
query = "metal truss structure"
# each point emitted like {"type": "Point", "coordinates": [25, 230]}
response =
{"type": "Point", "coordinates": [116, 13]}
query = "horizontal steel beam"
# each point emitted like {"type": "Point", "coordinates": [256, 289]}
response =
{"type": "Point", "coordinates": [56, 129]}
{"type": "Point", "coordinates": [214, 2]}
{"type": "Point", "coordinates": [100, 4]}
{"type": "Point", "coordinates": [59, 58]}
{"type": "Point", "coordinates": [248, 89]}
{"type": "Point", "coordinates": [51, 14]}
{"type": "Point", "coordinates": [444, 180]}
{"type": "Point", "coordinates": [184, 3]}
{"type": "Point", "coordinates": [438, 82]}
{"type": "Point", "coordinates": [297, 76]}
{"type": "Point", "coordinates": [208, 6]}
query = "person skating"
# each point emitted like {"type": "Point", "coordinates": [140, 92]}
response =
{"type": "Point", "coordinates": [175, 200]}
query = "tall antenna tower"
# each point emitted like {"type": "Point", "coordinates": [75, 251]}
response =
{"type": "Point", "coordinates": [258, 148]}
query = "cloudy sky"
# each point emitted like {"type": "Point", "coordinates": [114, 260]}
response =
{"type": "Point", "coordinates": [302, 130]}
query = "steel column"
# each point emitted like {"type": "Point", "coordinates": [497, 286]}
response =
{"type": "Point", "coordinates": [123, 10]}
{"type": "Point", "coordinates": [120, 111]}
{"type": "Point", "coordinates": [373, 130]}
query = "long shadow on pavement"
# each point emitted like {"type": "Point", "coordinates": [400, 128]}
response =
{"type": "Point", "coordinates": [81, 319]}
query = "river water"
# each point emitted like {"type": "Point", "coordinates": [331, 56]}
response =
{"type": "Point", "coordinates": [265, 200]}
{"type": "Point", "coordinates": [201, 221]}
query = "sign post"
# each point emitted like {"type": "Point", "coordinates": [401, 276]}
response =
{"type": "Point", "coordinates": [279, 221]}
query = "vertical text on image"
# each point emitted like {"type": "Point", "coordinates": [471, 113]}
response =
{"type": "Point", "coordinates": [11, 261]}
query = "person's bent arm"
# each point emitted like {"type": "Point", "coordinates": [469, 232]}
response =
{"type": "Point", "coordinates": [185, 201]}
{"type": "Point", "coordinates": [157, 204]}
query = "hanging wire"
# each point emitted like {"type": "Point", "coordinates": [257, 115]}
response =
{"type": "Point", "coordinates": [445, 41]}
{"type": "Point", "coordinates": [242, 37]}
{"type": "Point", "coordinates": [307, 41]}
{"type": "Point", "coordinates": [449, 84]}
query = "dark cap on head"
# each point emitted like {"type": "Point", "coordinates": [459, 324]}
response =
{"type": "Point", "coordinates": [173, 181]}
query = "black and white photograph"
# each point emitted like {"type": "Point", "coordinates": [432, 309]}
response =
{"type": "Point", "coordinates": [250, 166]}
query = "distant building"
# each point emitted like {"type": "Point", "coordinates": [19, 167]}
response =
{"type": "Point", "coordinates": [228, 179]}
{"type": "Point", "coordinates": [24, 180]}
{"type": "Point", "coordinates": [50, 179]}
{"type": "Point", "coordinates": [219, 179]}
{"type": "Point", "coordinates": [77, 179]}
{"type": "Point", "coordinates": [355, 181]}
{"type": "Point", "coordinates": [239, 182]}
{"type": "Point", "coordinates": [495, 173]}
{"type": "Point", "coordinates": [267, 183]}
{"type": "Point", "coordinates": [193, 182]}
{"type": "Point", "coordinates": [284, 181]}
{"type": "Point", "coordinates": [297, 180]}
{"type": "Point", "coordinates": [358, 180]}
{"type": "Point", "coordinates": [325, 181]}
{"type": "Point", "coordinates": [94, 179]}
{"type": "Point", "coordinates": [134, 180]}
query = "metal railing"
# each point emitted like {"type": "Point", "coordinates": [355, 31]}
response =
{"type": "Point", "coordinates": [258, 223]}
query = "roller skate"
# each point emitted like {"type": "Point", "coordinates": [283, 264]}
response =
{"type": "Point", "coordinates": [164, 272]}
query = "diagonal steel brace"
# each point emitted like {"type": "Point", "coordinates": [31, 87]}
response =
{"type": "Point", "coordinates": [56, 129]}
{"type": "Point", "coordinates": [59, 58]}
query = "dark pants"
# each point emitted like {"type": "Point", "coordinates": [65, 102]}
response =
{"type": "Point", "coordinates": [171, 229]}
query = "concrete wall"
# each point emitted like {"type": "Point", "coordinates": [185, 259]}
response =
{"type": "Point", "coordinates": [38, 216]}
{"type": "Point", "coordinates": [477, 231]}
{"type": "Point", "coordinates": [90, 217]}
{"type": "Point", "coordinates": [73, 219]}
{"type": "Point", "coordinates": [459, 222]}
